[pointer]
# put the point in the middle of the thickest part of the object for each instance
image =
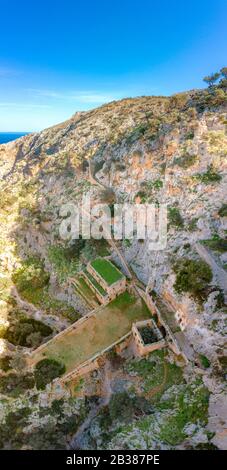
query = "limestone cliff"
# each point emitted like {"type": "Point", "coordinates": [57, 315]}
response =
{"type": "Point", "coordinates": [169, 150]}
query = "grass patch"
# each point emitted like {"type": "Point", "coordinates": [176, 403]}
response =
{"type": "Point", "coordinates": [106, 270]}
{"type": "Point", "coordinates": [85, 291]}
{"type": "Point", "coordinates": [151, 370]}
{"type": "Point", "coordinates": [95, 283]}
{"type": "Point", "coordinates": [190, 406]}
{"type": "Point", "coordinates": [32, 282]}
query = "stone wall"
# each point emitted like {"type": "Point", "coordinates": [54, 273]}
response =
{"type": "Point", "coordinates": [142, 348]}
{"type": "Point", "coordinates": [115, 289]}
{"type": "Point", "coordinates": [104, 299]}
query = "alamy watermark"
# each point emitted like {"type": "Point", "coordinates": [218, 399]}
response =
{"type": "Point", "coordinates": [119, 222]}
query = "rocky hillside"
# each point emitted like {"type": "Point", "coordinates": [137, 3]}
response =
{"type": "Point", "coordinates": [151, 149]}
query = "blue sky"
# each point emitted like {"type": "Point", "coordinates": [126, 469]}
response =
{"type": "Point", "coordinates": [59, 57]}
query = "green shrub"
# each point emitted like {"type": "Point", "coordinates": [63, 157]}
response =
{"type": "Point", "coordinates": [204, 361]}
{"type": "Point", "coordinates": [30, 277]}
{"type": "Point", "coordinates": [148, 189]}
{"type": "Point", "coordinates": [150, 185]}
{"type": "Point", "coordinates": [223, 211]}
{"type": "Point", "coordinates": [5, 363]}
{"type": "Point", "coordinates": [174, 217]}
{"type": "Point", "coordinates": [14, 385]}
{"type": "Point", "coordinates": [204, 99]}
{"type": "Point", "coordinates": [3, 330]}
{"type": "Point", "coordinates": [178, 100]}
{"type": "Point", "coordinates": [217, 244]}
{"type": "Point", "coordinates": [220, 299]}
{"type": "Point", "coordinates": [11, 432]}
{"type": "Point", "coordinates": [142, 195]}
{"type": "Point", "coordinates": [136, 133]}
{"type": "Point", "coordinates": [186, 246]}
{"type": "Point", "coordinates": [192, 224]}
{"type": "Point", "coordinates": [191, 407]}
{"type": "Point", "coordinates": [211, 176]}
{"type": "Point", "coordinates": [7, 200]}
{"type": "Point", "coordinates": [185, 161]}
{"type": "Point", "coordinates": [189, 135]}
{"type": "Point", "coordinates": [46, 371]}
{"type": "Point", "coordinates": [193, 277]}
{"type": "Point", "coordinates": [66, 260]}
{"type": "Point", "coordinates": [123, 407]}
{"type": "Point", "coordinates": [27, 332]}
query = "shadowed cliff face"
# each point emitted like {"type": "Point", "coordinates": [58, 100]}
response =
{"type": "Point", "coordinates": [143, 150]}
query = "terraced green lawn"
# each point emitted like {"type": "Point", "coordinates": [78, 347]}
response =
{"type": "Point", "coordinates": [95, 283]}
{"type": "Point", "coordinates": [106, 270]}
{"type": "Point", "coordinates": [96, 333]}
{"type": "Point", "coordinates": [86, 291]}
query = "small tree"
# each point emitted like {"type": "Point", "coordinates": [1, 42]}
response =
{"type": "Point", "coordinates": [223, 72]}
{"type": "Point", "coordinates": [211, 79]}
{"type": "Point", "coordinates": [223, 81]}
{"type": "Point", "coordinates": [47, 370]}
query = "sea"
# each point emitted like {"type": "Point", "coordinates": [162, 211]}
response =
{"type": "Point", "coordinates": [8, 136]}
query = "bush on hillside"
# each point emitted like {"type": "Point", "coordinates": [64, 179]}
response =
{"type": "Point", "coordinates": [217, 244]}
{"type": "Point", "coordinates": [185, 161]}
{"type": "Point", "coordinates": [14, 385]}
{"type": "Point", "coordinates": [122, 407]}
{"type": "Point", "coordinates": [47, 370]}
{"type": "Point", "coordinates": [174, 217]}
{"type": "Point", "coordinates": [192, 276]}
{"type": "Point", "coordinates": [30, 275]}
{"type": "Point", "coordinates": [5, 363]}
{"type": "Point", "coordinates": [204, 361]}
{"type": "Point", "coordinates": [27, 332]}
{"type": "Point", "coordinates": [223, 211]}
{"type": "Point", "coordinates": [211, 176]}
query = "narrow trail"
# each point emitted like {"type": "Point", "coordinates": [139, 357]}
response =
{"type": "Point", "coordinates": [158, 388]}
{"type": "Point", "coordinates": [111, 242]}
{"type": "Point", "coordinates": [93, 179]}
{"type": "Point", "coordinates": [38, 314]}
{"type": "Point", "coordinates": [77, 440]}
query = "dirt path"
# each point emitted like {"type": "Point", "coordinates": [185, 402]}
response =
{"type": "Point", "coordinates": [38, 314]}
{"type": "Point", "coordinates": [94, 180]}
{"type": "Point", "coordinates": [77, 440]}
{"type": "Point", "coordinates": [158, 388]}
{"type": "Point", "coordinates": [218, 271]}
